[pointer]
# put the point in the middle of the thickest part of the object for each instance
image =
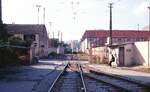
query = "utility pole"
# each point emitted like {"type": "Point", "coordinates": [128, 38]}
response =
{"type": "Point", "coordinates": [38, 8]}
{"type": "Point", "coordinates": [53, 35]}
{"type": "Point", "coordinates": [53, 40]}
{"type": "Point", "coordinates": [149, 37]}
{"type": "Point", "coordinates": [74, 11]}
{"type": "Point", "coordinates": [138, 27]}
{"type": "Point", "coordinates": [110, 24]}
{"type": "Point", "coordinates": [50, 24]}
{"type": "Point", "coordinates": [58, 34]}
{"type": "Point", "coordinates": [0, 11]}
{"type": "Point", "coordinates": [44, 16]}
{"type": "Point", "coordinates": [61, 37]}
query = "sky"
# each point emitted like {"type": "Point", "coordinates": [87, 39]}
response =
{"type": "Point", "coordinates": [74, 17]}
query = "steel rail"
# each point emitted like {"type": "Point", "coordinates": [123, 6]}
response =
{"type": "Point", "coordinates": [146, 87]}
{"type": "Point", "coordinates": [99, 80]}
{"type": "Point", "coordinates": [121, 78]}
{"type": "Point", "coordinates": [52, 86]}
{"type": "Point", "coordinates": [107, 83]}
{"type": "Point", "coordinates": [82, 79]}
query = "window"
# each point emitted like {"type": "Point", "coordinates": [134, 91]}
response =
{"type": "Point", "coordinates": [29, 38]}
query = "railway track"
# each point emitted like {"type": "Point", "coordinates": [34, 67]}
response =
{"type": "Point", "coordinates": [69, 80]}
{"type": "Point", "coordinates": [43, 84]}
{"type": "Point", "coordinates": [96, 85]}
{"type": "Point", "coordinates": [75, 78]}
{"type": "Point", "coordinates": [107, 83]}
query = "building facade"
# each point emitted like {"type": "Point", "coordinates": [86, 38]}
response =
{"type": "Point", "coordinates": [98, 38]}
{"type": "Point", "coordinates": [128, 46]}
{"type": "Point", "coordinates": [74, 45]}
{"type": "Point", "coordinates": [131, 54]}
{"type": "Point", "coordinates": [36, 33]}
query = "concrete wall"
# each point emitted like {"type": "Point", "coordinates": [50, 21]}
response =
{"type": "Point", "coordinates": [141, 52]}
{"type": "Point", "coordinates": [19, 35]}
{"type": "Point", "coordinates": [52, 50]}
{"type": "Point", "coordinates": [100, 52]}
{"type": "Point", "coordinates": [129, 55]}
{"type": "Point", "coordinates": [134, 54]}
{"type": "Point", "coordinates": [60, 50]}
{"type": "Point", "coordinates": [85, 46]}
{"type": "Point", "coordinates": [82, 46]}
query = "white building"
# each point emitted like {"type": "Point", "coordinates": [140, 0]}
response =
{"type": "Point", "coordinates": [74, 45]}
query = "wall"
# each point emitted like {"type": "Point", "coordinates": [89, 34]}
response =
{"type": "Point", "coordinates": [129, 55]}
{"type": "Point", "coordinates": [60, 50]}
{"type": "Point", "coordinates": [100, 52]}
{"type": "Point", "coordinates": [52, 50]}
{"type": "Point", "coordinates": [83, 46]}
{"type": "Point", "coordinates": [134, 54]}
{"type": "Point", "coordinates": [19, 35]}
{"type": "Point", "coordinates": [141, 52]}
{"type": "Point", "coordinates": [37, 44]}
{"type": "Point", "coordinates": [43, 45]}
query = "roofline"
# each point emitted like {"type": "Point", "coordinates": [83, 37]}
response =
{"type": "Point", "coordinates": [105, 30]}
{"type": "Point", "coordinates": [115, 30]}
{"type": "Point", "coordinates": [26, 24]}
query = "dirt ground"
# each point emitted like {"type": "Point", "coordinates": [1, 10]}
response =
{"type": "Point", "coordinates": [139, 68]}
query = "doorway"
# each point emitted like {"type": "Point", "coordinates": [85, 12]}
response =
{"type": "Point", "coordinates": [121, 56]}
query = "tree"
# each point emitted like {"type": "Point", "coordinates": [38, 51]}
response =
{"type": "Point", "coordinates": [18, 41]}
{"type": "Point", "coordinates": [3, 33]}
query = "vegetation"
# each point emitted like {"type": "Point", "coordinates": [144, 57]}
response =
{"type": "Point", "coordinates": [52, 54]}
{"type": "Point", "coordinates": [18, 41]}
{"type": "Point", "coordinates": [3, 34]}
{"type": "Point", "coordinates": [13, 56]}
{"type": "Point", "coordinates": [10, 55]}
{"type": "Point", "coordinates": [83, 56]}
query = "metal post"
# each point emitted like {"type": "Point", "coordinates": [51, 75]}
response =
{"type": "Point", "coordinates": [149, 37]}
{"type": "Point", "coordinates": [90, 51]}
{"type": "Point", "coordinates": [53, 35]}
{"type": "Point", "coordinates": [61, 37]}
{"type": "Point", "coordinates": [0, 11]}
{"type": "Point", "coordinates": [110, 25]}
{"type": "Point", "coordinates": [73, 10]}
{"type": "Point", "coordinates": [38, 7]}
{"type": "Point", "coordinates": [50, 23]}
{"type": "Point", "coordinates": [138, 27]}
{"type": "Point", "coordinates": [58, 35]}
{"type": "Point", "coordinates": [44, 16]}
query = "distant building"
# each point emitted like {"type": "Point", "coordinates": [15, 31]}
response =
{"type": "Point", "coordinates": [37, 33]}
{"type": "Point", "coordinates": [74, 45]}
{"type": "Point", "coordinates": [56, 46]}
{"type": "Point", "coordinates": [53, 43]}
{"type": "Point", "coordinates": [98, 38]}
